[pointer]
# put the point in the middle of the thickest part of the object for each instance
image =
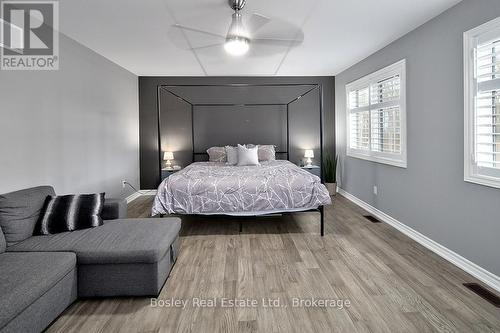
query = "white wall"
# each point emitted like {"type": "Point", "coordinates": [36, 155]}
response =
{"type": "Point", "coordinates": [76, 128]}
{"type": "Point", "coordinates": [430, 196]}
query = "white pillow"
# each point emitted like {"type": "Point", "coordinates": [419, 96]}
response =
{"type": "Point", "coordinates": [248, 156]}
{"type": "Point", "coordinates": [232, 155]}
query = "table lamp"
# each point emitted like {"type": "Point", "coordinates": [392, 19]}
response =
{"type": "Point", "coordinates": [168, 156]}
{"type": "Point", "coordinates": [309, 154]}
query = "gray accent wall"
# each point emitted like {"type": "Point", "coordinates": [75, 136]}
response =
{"type": "Point", "coordinates": [76, 128]}
{"type": "Point", "coordinates": [223, 125]}
{"type": "Point", "coordinates": [431, 195]}
{"type": "Point", "coordinates": [304, 127]}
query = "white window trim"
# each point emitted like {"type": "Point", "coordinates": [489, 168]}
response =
{"type": "Point", "coordinates": [398, 160]}
{"type": "Point", "coordinates": [470, 169]}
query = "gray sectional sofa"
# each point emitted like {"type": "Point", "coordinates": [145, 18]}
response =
{"type": "Point", "coordinates": [42, 275]}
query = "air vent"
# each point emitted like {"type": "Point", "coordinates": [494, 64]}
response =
{"type": "Point", "coordinates": [484, 293]}
{"type": "Point", "coordinates": [372, 218]}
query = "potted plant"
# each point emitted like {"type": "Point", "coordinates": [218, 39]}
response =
{"type": "Point", "coordinates": [331, 174]}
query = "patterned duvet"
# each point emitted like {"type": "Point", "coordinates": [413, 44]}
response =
{"type": "Point", "coordinates": [216, 188]}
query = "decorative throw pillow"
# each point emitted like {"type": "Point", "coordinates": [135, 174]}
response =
{"type": "Point", "coordinates": [266, 153]}
{"type": "Point", "coordinates": [232, 155]}
{"type": "Point", "coordinates": [248, 156]}
{"type": "Point", "coordinates": [216, 154]}
{"type": "Point", "coordinates": [71, 212]}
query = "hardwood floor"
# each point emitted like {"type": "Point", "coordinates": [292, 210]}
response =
{"type": "Point", "coordinates": [392, 283]}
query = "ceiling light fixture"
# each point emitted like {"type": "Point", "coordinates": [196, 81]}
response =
{"type": "Point", "coordinates": [241, 37]}
{"type": "Point", "coordinates": [237, 41]}
{"type": "Point", "coordinates": [236, 46]}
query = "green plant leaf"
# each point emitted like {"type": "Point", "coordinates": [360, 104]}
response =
{"type": "Point", "coordinates": [330, 169]}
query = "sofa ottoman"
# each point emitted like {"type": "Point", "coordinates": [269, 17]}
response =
{"type": "Point", "coordinates": [35, 288]}
{"type": "Point", "coordinates": [129, 257]}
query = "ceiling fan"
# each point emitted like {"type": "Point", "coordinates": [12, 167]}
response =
{"type": "Point", "coordinates": [243, 34]}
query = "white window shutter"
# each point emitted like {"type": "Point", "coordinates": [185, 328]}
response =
{"type": "Point", "coordinates": [487, 104]}
{"type": "Point", "coordinates": [482, 104]}
{"type": "Point", "coordinates": [376, 109]}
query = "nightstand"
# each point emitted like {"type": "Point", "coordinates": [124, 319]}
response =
{"type": "Point", "coordinates": [168, 172]}
{"type": "Point", "coordinates": [314, 169]}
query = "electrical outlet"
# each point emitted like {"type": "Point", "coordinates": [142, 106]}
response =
{"type": "Point", "coordinates": [375, 189]}
{"type": "Point", "coordinates": [124, 183]}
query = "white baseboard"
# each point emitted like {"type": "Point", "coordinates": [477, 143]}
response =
{"type": "Point", "coordinates": [135, 195]}
{"type": "Point", "coordinates": [478, 272]}
{"type": "Point", "coordinates": [148, 192]}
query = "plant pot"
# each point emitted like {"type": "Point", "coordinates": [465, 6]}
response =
{"type": "Point", "coordinates": [332, 188]}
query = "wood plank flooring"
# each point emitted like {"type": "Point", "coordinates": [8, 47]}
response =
{"type": "Point", "coordinates": [392, 283]}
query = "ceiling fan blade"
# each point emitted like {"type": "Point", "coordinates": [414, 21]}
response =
{"type": "Point", "coordinates": [256, 22]}
{"type": "Point", "coordinates": [277, 42]}
{"type": "Point", "coordinates": [182, 27]}
{"type": "Point", "coordinates": [206, 46]}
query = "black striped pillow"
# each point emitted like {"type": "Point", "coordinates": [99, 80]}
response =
{"type": "Point", "coordinates": [71, 212]}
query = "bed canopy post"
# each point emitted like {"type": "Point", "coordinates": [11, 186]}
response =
{"type": "Point", "coordinates": [321, 131]}
{"type": "Point", "coordinates": [321, 208]}
{"type": "Point", "coordinates": [322, 221]}
{"type": "Point", "coordinates": [287, 132]}
{"type": "Point", "coordinates": [192, 130]}
{"type": "Point", "coordinates": [158, 106]}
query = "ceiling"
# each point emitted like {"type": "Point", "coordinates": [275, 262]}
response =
{"type": "Point", "coordinates": [138, 34]}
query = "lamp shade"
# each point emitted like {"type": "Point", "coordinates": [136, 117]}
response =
{"type": "Point", "coordinates": [309, 153]}
{"type": "Point", "coordinates": [168, 155]}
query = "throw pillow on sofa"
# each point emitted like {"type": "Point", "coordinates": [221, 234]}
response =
{"type": "Point", "coordinates": [71, 212]}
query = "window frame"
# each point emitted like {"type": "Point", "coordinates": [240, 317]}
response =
{"type": "Point", "coordinates": [472, 172]}
{"type": "Point", "coordinates": [393, 159]}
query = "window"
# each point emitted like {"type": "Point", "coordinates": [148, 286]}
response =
{"type": "Point", "coordinates": [482, 104]}
{"type": "Point", "coordinates": [376, 116]}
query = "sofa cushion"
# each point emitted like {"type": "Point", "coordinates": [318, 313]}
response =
{"type": "Point", "coordinates": [3, 244]}
{"type": "Point", "coordinates": [115, 242]}
{"type": "Point", "coordinates": [114, 209]}
{"type": "Point", "coordinates": [20, 211]}
{"type": "Point", "coordinates": [26, 277]}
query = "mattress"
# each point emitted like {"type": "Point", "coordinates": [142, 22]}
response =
{"type": "Point", "coordinates": [217, 188]}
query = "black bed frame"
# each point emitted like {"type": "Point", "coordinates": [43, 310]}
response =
{"type": "Point", "coordinates": [313, 86]}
